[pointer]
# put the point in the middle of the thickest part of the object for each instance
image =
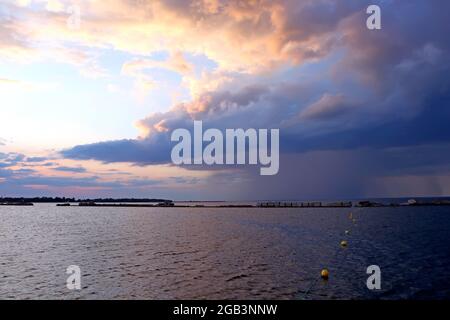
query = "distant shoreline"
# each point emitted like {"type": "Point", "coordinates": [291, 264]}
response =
{"type": "Point", "coordinates": [154, 203]}
{"type": "Point", "coordinates": [74, 200]}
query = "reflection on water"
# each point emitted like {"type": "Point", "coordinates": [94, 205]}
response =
{"type": "Point", "coordinates": [226, 253]}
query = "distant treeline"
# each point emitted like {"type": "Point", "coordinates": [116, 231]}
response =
{"type": "Point", "coordinates": [64, 199]}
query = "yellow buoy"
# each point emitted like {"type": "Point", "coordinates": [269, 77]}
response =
{"type": "Point", "coordinates": [324, 274]}
{"type": "Point", "coordinates": [344, 243]}
{"type": "Point", "coordinates": [350, 216]}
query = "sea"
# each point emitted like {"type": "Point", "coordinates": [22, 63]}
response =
{"type": "Point", "coordinates": [224, 253]}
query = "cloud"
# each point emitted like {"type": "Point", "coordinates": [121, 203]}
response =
{"type": "Point", "coordinates": [310, 68]}
{"type": "Point", "coordinates": [266, 33]}
{"type": "Point", "coordinates": [11, 159]}
{"type": "Point", "coordinates": [70, 169]}
{"type": "Point", "coordinates": [143, 151]}
{"type": "Point", "coordinates": [8, 84]}
{"type": "Point", "coordinates": [30, 182]}
{"type": "Point", "coordinates": [176, 62]}
{"type": "Point", "coordinates": [54, 6]}
{"type": "Point", "coordinates": [36, 159]}
{"type": "Point", "coordinates": [327, 107]}
{"type": "Point", "coordinates": [13, 84]}
{"type": "Point", "coordinates": [139, 69]}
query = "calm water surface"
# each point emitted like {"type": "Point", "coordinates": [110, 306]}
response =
{"type": "Point", "coordinates": [225, 253]}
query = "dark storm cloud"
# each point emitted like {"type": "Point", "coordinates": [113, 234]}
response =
{"type": "Point", "coordinates": [141, 152]}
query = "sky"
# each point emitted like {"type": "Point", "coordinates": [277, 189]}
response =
{"type": "Point", "coordinates": [91, 90]}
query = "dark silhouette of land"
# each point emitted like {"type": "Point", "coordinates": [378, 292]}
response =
{"type": "Point", "coordinates": [154, 202]}
{"type": "Point", "coordinates": [74, 200]}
